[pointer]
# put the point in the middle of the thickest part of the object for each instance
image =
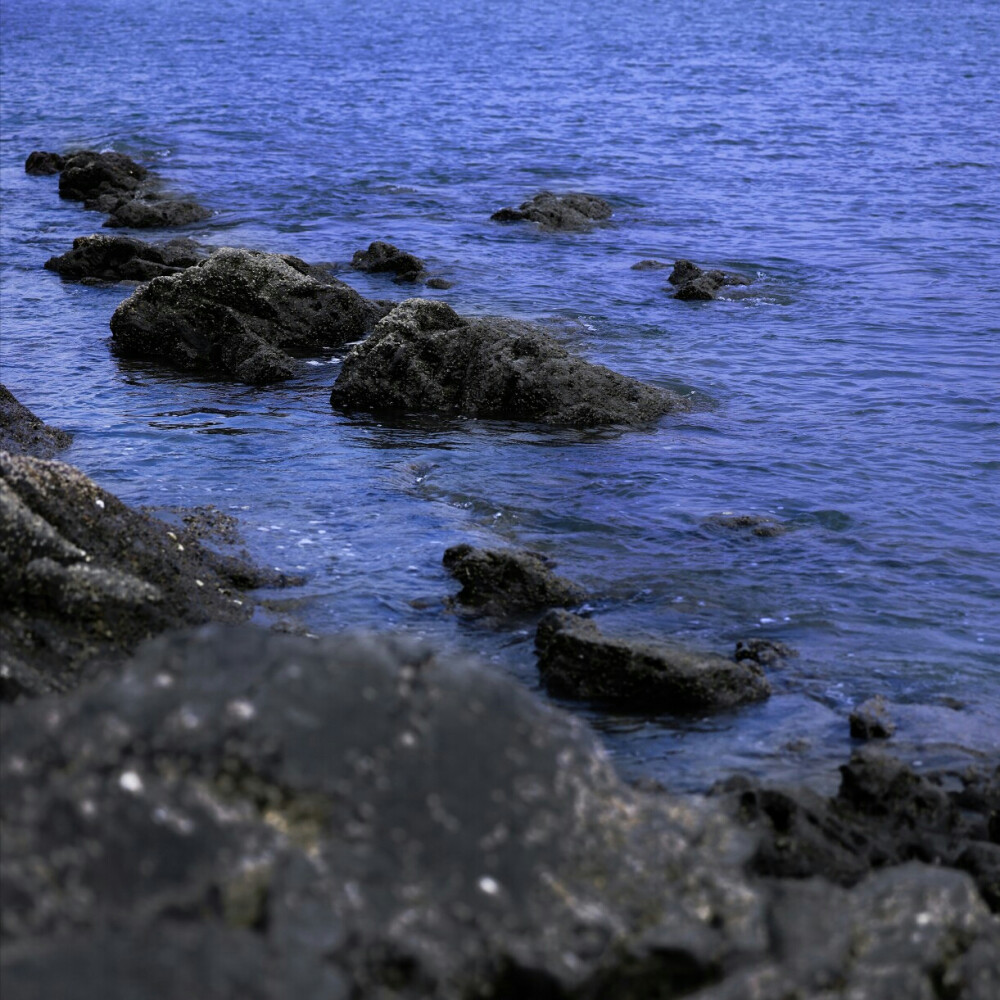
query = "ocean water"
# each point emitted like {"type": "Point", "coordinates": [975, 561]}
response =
{"type": "Point", "coordinates": [847, 154]}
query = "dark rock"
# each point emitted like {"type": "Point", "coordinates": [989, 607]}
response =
{"type": "Point", "coordinates": [385, 258]}
{"type": "Point", "coordinates": [246, 814]}
{"type": "Point", "coordinates": [575, 660]}
{"type": "Point", "coordinates": [693, 284]}
{"type": "Point", "coordinates": [441, 283]}
{"type": "Point", "coordinates": [423, 357]}
{"type": "Point", "coordinates": [754, 524]}
{"type": "Point", "coordinates": [124, 258]}
{"type": "Point", "coordinates": [766, 652]}
{"type": "Point", "coordinates": [158, 213]}
{"type": "Point", "coordinates": [22, 433]}
{"type": "Point", "coordinates": [500, 582]}
{"type": "Point", "coordinates": [575, 211]}
{"type": "Point", "coordinates": [116, 185]}
{"type": "Point", "coordinates": [871, 720]}
{"type": "Point", "coordinates": [242, 315]}
{"type": "Point", "coordinates": [650, 265]}
{"type": "Point", "coordinates": [43, 164]}
{"type": "Point", "coordinates": [885, 813]}
{"type": "Point", "coordinates": [84, 578]}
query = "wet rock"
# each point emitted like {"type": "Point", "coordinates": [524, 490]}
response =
{"type": "Point", "coordinates": [319, 796]}
{"type": "Point", "coordinates": [650, 265]}
{"type": "Point", "coordinates": [84, 578]}
{"type": "Point", "coordinates": [499, 582]}
{"type": "Point", "coordinates": [242, 315]}
{"type": "Point", "coordinates": [22, 433]}
{"type": "Point", "coordinates": [753, 524]}
{"type": "Point", "coordinates": [575, 660]}
{"type": "Point", "coordinates": [693, 283]}
{"type": "Point", "coordinates": [574, 211]}
{"type": "Point", "coordinates": [124, 258]}
{"type": "Point", "coordinates": [43, 164]}
{"type": "Point", "coordinates": [871, 720]}
{"type": "Point", "coordinates": [242, 813]}
{"type": "Point", "coordinates": [766, 652]}
{"type": "Point", "coordinates": [115, 184]}
{"type": "Point", "coordinates": [884, 813]}
{"type": "Point", "coordinates": [156, 213]}
{"type": "Point", "coordinates": [441, 283]}
{"type": "Point", "coordinates": [423, 357]}
{"type": "Point", "coordinates": [382, 258]}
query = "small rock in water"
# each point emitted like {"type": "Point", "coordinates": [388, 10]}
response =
{"type": "Point", "coordinates": [575, 660]}
{"type": "Point", "coordinates": [124, 258]}
{"type": "Point", "coordinates": [754, 524]}
{"type": "Point", "coordinates": [871, 720]}
{"type": "Point", "coordinates": [766, 652]}
{"type": "Point", "coordinates": [385, 258]}
{"type": "Point", "coordinates": [650, 265]}
{"type": "Point", "coordinates": [574, 211]}
{"type": "Point", "coordinates": [692, 283]}
{"type": "Point", "coordinates": [499, 582]}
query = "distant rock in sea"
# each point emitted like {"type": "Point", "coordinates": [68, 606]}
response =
{"type": "Point", "coordinates": [569, 212]}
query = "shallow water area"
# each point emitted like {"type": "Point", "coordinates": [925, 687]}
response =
{"type": "Point", "coordinates": [846, 158]}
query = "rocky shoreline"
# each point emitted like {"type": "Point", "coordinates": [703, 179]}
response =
{"type": "Point", "coordinates": [195, 806]}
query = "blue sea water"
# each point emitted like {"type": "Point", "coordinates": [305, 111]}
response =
{"type": "Point", "coordinates": [845, 153]}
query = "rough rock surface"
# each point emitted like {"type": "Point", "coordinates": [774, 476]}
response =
{"type": "Point", "coordinates": [575, 660]}
{"type": "Point", "coordinates": [242, 315]}
{"type": "Point", "coordinates": [115, 184]}
{"type": "Point", "coordinates": [885, 813]}
{"type": "Point", "coordinates": [871, 720]}
{"type": "Point", "coordinates": [424, 357]}
{"type": "Point", "coordinates": [766, 652]}
{"type": "Point", "coordinates": [245, 814]}
{"type": "Point", "coordinates": [499, 582]}
{"type": "Point", "coordinates": [83, 578]}
{"type": "Point", "coordinates": [572, 212]}
{"type": "Point", "coordinates": [693, 283]}
{"type": "Point", "coordinates": [382, 258]}
{"type": "Point", "coordinates": [124, 258]}
{"type": "Point", "coordinates": [22, 433]}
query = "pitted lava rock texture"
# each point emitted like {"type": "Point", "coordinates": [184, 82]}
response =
{"type": "Point", "coordinates": [242, 315]}
{"type": "Point", "coordinates": [575, 660]}
{"type": "Point", "coordinates": [83, 578]}
{"type": "Point", "coordinates": [573, 212]}
{"type": "Point", "coordinates": [425, 358]}
{"type": "Point", "coordinates": [115, 184]}
{"type": "Point", "coordinates": [885, 813]}
{"type": "Point", "coordinates": [500, 582]}
{"type": "Point", "coordinates": [124, 258]}
{"type": "Point", "coordinates": [693, 283]}
{"type": "Point", "coordinates": [382, 258]}
{"type": "Point", "coordinates": [246, 814]}
{"type": "Point", "coordinates": [22, 433]}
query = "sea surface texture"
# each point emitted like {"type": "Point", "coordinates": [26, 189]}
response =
{"type": "Point", "coordinates": [845, 154]}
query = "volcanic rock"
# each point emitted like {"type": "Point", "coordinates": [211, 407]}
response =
{"type": "Point", "coordinates": [572, 212]}
{"type": "Point", "coordinates": [84, 578]}
{"type": "Point", "coordinates": [766, 652]}
{"type": "Point", "coordinates": [500, 582]}
{"type": "Point", "coordinates": [753, 524]}
{"type": "Point", "coordinates": [692, 283]}
{"type": "Point", "coordinates": [22, 433]}
{"type": "Point", "coordinates": [871, 720]}
{"type": "Point", "coordinates": [124, 258]}
{"type": "Point", "coordinates": [385, 258]}
{"type": "Point", "coordinates": [242, 314]}
{"type": "Point", "coordinates": [575, 660]}
{"type": "Point", "coordinates": [425, 358]}
{"type": "Point", "coordinates": [156, 213]}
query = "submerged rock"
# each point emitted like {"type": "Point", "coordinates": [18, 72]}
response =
{"type": "Point", "coordinates": [575, 660]}
{"type": "Point", "coordinates": [574, 211]}
{"type": "Point", "coordinates": [242, 314]}
{"type": "Point", "coordinates": [500, 582]}
{"type": "Point", "coordinates": [124, 258]}
{"type": "Point", "coordinates": [117, 185]}
{"type": "Point", "coordinates": [885, 813]}
{"type": "Point", "coordinates": [650, 265]}
{"type": "Point", "coordinates": [753, 524]}
{"type": "Point", "coordinates": [766, 652]}
{"type": "Point", "coordinates": [84, 578]}
{"type": "Point", "coordinates": [246, 814]}
{"type": "Point", "coordinates": [871, 720]}
{"type": "Point", "coordinates": [693, 283]}
{"type": "Point", "coordinates": [385, 258]}
{"type": "Point", "coordinates": [425, 358]}
{"type": "Point", "coordinates": [22, 433]}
